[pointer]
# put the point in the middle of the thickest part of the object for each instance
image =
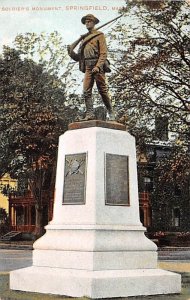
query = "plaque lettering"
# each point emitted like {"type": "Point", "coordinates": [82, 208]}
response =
{"type": "Point", "coordinates": [74, 188]}
{"type": "Point", "coordinates": [116, 179]}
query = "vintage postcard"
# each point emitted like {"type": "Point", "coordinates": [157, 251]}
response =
{"type": "Point", "coordinates": [122, 163]}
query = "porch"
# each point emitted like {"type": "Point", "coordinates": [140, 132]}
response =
{"type": "Point", "coordinates": [22, 213]}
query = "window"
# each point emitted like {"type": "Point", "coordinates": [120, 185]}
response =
{"type": "Point", "coordinates": [176, 217]}
{"type": "Point", "coordinates": [177, 190]}
{"type": "Point", "coordinates": [148, 184]}
{"type": "Point", "coordinates": [22, 184]}
{"type": "Point", "coordinates": [161, 127]}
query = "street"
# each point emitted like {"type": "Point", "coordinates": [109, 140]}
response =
{"type": "Point", "coordinates": [167, 254]}
{"type": "Point", "coordinates": [14, 259]}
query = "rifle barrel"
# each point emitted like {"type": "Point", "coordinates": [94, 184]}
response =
{"type": "Point", "coordinates": [109, 22]}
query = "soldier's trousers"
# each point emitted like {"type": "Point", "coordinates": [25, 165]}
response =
{"type": "Point", "coordinates": [100, 80]}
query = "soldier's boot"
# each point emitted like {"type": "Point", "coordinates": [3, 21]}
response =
{"type": "Point", "coordinates": [89, 110]}
{"type": "Point", "coordinates": [108, 104]}
{"type": "Point", "coordinates": [111, 115]}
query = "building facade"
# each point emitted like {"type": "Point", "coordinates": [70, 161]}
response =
{"type": "Point", "coordinates": [164, 205]}
{"type": "Point", "coordinates": [22, 212]}
{"type": "Point", "coordinates": [6, 184]}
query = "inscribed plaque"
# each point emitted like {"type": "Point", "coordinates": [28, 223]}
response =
{"type": "Point", "coordinates": [116, 179]}
{"type": "Point", "coordinates": [74, 179]}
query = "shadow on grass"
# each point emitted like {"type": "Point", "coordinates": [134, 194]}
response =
{"type": "Point", "coordinates": [7, 294]}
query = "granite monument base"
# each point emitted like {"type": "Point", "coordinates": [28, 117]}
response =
{"type": "Point", "coordinates": [95, 284]}
{"type": "Point", "coordinates": [95, 245]}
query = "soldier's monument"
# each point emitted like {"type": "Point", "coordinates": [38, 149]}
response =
{"type": "Point", "coordinates": [92, 58]}
{"type": "Point", "coordinates": [95, 245]}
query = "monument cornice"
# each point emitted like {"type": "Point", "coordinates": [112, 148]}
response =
{"type": "Point", "coordinates": [97, 123]}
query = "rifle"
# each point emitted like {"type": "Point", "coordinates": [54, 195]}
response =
{"type": "Point", "coordinates": [73, 45]}
{"type": "Point", "coordinates": [109, 22]}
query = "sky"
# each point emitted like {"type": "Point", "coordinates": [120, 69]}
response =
{"type": "Point", "coordinates": [64, 16]}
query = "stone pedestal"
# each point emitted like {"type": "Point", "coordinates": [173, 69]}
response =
{"type": "Point", "coordinates": [95, 245]}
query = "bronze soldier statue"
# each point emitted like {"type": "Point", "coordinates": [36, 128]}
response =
{"type": "Point", "coordinates": [92, 58]}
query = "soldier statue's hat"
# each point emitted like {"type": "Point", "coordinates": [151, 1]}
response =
{"type": "Point", "coordinates": [89, 17]}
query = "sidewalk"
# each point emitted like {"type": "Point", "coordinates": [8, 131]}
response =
{"type": "Point", "coordinates": [21, 245]}
{"type": "Point", "coordinates": [24, 245]}
{"type": "Point", "coordinates": [175, 266]}
{"type": "Point", "coordinates": [170, 248]}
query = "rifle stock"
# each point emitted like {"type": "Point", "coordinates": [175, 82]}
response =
{"type": "Point", "coordinates": [73, 45]}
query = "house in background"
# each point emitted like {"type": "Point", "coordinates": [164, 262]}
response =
{"type": "Point", "coordinates": [162, 208]}
{"type": "Point", "coordinates": [22, 212]}
{"type": "Point", "coordinates": [20, 204]}
{"type": "Point", "coordinates": [6, 184]}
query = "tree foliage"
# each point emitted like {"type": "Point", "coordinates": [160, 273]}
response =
{"type": "Point", "coordinates": [151, 81]}
{"type": "Point", "coordinates": [4, 222]}
{"type": "Point", "coordinates": [50, 50]}
{"type": "Point", "coordinates": [33, 116]}
{"type": "Point", "coordinates": [154, 65]}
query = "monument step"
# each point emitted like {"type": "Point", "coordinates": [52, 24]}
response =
{"type": "Point", "coordinates": [95, 284]}
{"type": "Point", "coordinates": [11, 236]}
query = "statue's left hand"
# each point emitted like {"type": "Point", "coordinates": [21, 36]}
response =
{"type": "Point", "coordinates": [95, 70]}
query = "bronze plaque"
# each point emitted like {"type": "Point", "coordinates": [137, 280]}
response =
{"type": "Point", "coordinates": [116, 179]}
{"type": "Point", "coordinates": [74, 188]}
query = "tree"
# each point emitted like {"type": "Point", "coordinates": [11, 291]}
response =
{"type": "Point", "coordinates": [151, 81]}
{"type": "Point", "coordinates": [154, 65]}
{"type": "Point", "coordinates": [4, 221]}
{"type": "Point", "coordinates": [33, 116]}
{"type": "Point", "coordinates": [50, 50]}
